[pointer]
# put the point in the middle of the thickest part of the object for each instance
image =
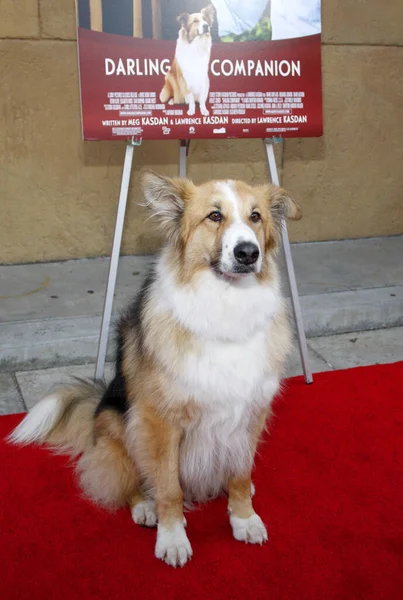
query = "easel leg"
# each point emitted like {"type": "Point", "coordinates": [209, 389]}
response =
{"type": "Point", "coordinates": [183, 153]}
{"type": "Point", "coordinates": [113, 265]}
{"type": "Point", "coordinates": [296, 307]}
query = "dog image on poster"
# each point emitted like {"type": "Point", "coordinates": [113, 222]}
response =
{"type": "Point", "coordinates": [194, 28]}
{"type": "Point", "coordinates": [187, 81]}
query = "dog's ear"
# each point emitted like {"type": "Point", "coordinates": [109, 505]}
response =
{"type": "Point", "coordinates": [282, 205]}
{"type": "Point", "coordinates": [183, 19]}
{"type": "Point", "coordinates": [166, 198]}
{"type": "Point", "coordinates": [208, 14]}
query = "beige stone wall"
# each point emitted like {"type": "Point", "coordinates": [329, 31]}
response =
{"type": "Point", "coordinates": [59, 195]}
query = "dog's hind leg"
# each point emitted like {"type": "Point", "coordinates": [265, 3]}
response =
{"type": "Point", "coordinates": [166, 93]}
{"type": "Point", "coordinates": [143, 510]}
{"type": "Point", "coordinates": [107, 474]}
{"type": "Point", "coordinates": [177, 93]}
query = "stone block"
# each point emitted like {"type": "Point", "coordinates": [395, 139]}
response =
{"type": "Point", "coordinates": [58, 19]}
{"type": "Point", "coordinates": [362, 22]}
{"type": "Point", "coordinates": [19, 19]}
{"type": "Point", "coordinates": [350, 181]}
{"type": "Point", "coordinates": [59, 195]}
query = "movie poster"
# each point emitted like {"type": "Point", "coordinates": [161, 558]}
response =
{"type": "Point", "coordinates": [183, 69]}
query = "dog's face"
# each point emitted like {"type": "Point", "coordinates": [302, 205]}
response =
{"type": "Point", "coordinates": [226, 226]}
{"type": "Point", "coordinates": [196, 24]}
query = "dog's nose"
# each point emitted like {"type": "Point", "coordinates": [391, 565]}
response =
{"type": "Point", "coordinates": [246, 253]}
{"type": "Point", "coordinates": [205, 28]}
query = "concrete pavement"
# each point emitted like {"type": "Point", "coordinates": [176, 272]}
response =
{"type": "Point", "coordinates": [20, 390]}
{"type": "Point", "coordinates": [50, 313]}
{"type": "Point", "coordinates": [351, 296]}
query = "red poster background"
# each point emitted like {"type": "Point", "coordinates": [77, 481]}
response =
{"type": "Point", "coordinates": [102, 124]}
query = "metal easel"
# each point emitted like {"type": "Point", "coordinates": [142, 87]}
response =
{"type": "Point", "coordinates": [117, 240]}
{"type": "Point", "coordinates": [296, 306]}
{"type": "Point", "coordinates": [114, 262]}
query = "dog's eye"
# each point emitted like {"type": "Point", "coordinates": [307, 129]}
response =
{"type": "Point", "coordinates": [255, 217]}
{"type": "Point", "coordinates": [215, 216]}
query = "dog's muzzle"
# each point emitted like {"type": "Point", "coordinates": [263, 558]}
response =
{"type": "Point", "coordinates": [245, 259]}
{"type": "Point", "coordinates": [240, 251]}
{"type": "Point", "coordinates": [203, 29]}
{"type": "Point", "coordinates": [246, 253]}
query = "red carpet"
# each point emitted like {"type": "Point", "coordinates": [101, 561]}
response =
{"type": "Point", "coordinates": [329, 487]}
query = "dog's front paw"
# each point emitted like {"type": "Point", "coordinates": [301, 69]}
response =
{"type": "Point", "coordinates": [251, 530]}
{"type": "Point", "coordinates": [143, 513]}
{"type": "Point", "coordinates": [191, 111]}
{"type": "Point", "coordinates": [173, 545]}
{"type": "Point", "coordinates": [204, 111]}
{"type": "Point", "coordinates": [171, 102]}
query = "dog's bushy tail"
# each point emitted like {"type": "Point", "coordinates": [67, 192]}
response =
{"type": "Point", "coordinates": [66, 421]}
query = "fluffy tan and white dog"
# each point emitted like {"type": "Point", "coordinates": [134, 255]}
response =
{"type": "Point", "coordinates": [199, 359]}
{"type": "Point", "coordinates": [187, 82]}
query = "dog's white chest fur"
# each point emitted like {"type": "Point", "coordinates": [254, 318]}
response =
{"type": "Point", "coordinates": [231, 384]}
{"type": "Point", "coordinates": [227, 374]}
{"type": "Point", "coordinates": [230, 373]}
{"type": "Point", "coordinates": [193, 60]}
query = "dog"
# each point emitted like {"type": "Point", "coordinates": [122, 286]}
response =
{"type": "Point", "coordinates": [187, 82]}
{"type": "Point", "coordinates": [200, 355]}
